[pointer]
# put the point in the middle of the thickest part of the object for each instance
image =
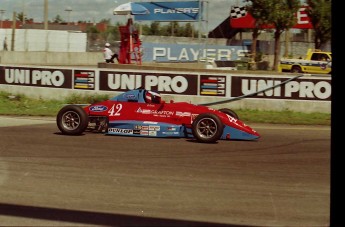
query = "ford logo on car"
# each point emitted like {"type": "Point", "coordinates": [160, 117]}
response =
{"type": "Point", "coordinates": [98, 108]}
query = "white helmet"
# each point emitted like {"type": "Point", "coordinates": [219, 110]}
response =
{"type": "Point", "coordinates": [107, 44]}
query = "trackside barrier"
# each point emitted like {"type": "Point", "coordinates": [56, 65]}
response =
{"type": "Point", "coordinates": [253, 91]}
{"type": "Point", "coordinates": [249, 95]}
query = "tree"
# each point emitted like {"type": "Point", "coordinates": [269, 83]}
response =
{"type": "Point", "coordinates": [92, 32]}
{"type": "Point", "coordinates": [154, 28]}
{"type": "Point", "coordinates": [319, 11]}
{"type": "Point", "coordinates": [112, 33]}
{"type": "Point", "coordinates": [188, 30]}
{"type": "Point", "coordinates": [106, 21]}
{"type": "Point", "coordinates": [145, 29]}
{"type": "Point", "coordinates": [258, 9]}
{"type": "Point", "coordinates": [22, 17]}
{"type": "Point", "coordinates": [173, 27]}
{"type": "Point", "coordinates": [58, 19]}
{"type": "Point", "coordinates": [282, 15]}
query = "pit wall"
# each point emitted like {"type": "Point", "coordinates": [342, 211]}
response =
{"type": "Point", "coordinates": [298, 93]}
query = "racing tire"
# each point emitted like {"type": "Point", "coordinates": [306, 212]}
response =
{"type": "Point", "coordinates": [72, 120]}
{"type": "Point", "coordinates": [229, 112]}
{"type": "Point", "coordinates": [296, 69]}
{"type": "Point", "coordinates": [207, 128]}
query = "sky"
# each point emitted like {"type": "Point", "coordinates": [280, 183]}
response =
{"type": "Point", "coordinates": [96, 10]}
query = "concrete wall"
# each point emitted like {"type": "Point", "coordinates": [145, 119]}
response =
{"type": "Point", "coordinates": [51, 58]}
{"type": "Point", "coordinates": [43, 40]}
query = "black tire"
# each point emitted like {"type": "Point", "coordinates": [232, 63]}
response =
{"type": "Point", "coordinates": [72, 120]}
{"type": "Point", "coordinates": [296, 69]}
{"type": "Point", "coordinates": [229, 112]}
{"type": "Point", "coordinates": [207, 128]}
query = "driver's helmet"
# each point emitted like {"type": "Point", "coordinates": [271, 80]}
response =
{"type": "Point", "coordinates": [152, 97]}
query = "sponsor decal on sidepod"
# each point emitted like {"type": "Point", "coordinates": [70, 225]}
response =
{"type": "Point", "coordinates": [98, 108]}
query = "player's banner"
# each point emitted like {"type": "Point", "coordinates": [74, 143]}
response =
{"type": "Point", "coordinates": [170, 11]}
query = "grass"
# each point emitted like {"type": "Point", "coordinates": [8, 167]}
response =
{"type": "Point", "coordinates": [24, 106]}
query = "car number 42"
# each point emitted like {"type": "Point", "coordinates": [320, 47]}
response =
{"type": "Point", "coordinates": [115, 110]}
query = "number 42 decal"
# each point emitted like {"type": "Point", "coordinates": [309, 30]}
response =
{"type": "Point", "coordinates": [115, 110]}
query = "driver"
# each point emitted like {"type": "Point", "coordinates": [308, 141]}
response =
{"type": "Point", "coordinates": [152, 97]}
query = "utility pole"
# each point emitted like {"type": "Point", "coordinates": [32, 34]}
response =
{"type": "Point", "coordinates": [199, 32]}
{"type": "Point", "coordinates": [45, 14]}
{"type": "Point", "coordinates": [23, 19]}
{"type": "Point", "coordinates": [2, 11]}
{"type": "Point", "coordinates": [13, 30]}
{"type": "Point", "coordinates": [287, 40]}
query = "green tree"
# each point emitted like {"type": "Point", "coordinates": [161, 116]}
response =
{"type": "Point", "coordinates": [58, 19]}
{"type": "Point", "coordinates": [280, 14]}
{"type": "Point", "coordinates": [106, 21]}
{"type": "Point", "coordinates": [111, 34]}
{"type": "Point", "coordinates": [145, 29]}
{"type": "Point", "coordinates": [188, 30]}
{"type": "Point", "coordinates": [320, 13]}
{"type": "Point", "coordinates": [165, 30]}
{"type": "Point", "coordinates": [170, 29]}
{"type": "Point", "coordinates": [92, 32]}
{"type": "Point", "coordinates": [173, 27]}
{"type": "Point", "coordinates": [258, 9]}
{"type": "Point", "coordinates": [21, 17]}
{"type": "Point", "coordinates": [154, 28]}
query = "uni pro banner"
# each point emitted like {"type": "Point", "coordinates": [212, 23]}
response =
{"type": "Point", "coordinates": [170, 11]}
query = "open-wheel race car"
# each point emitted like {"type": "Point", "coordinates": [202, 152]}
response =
{"type": "Point", "coordinates": [141, 112]}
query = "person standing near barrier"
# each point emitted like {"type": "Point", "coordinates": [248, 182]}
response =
{"type": "Point", "coordinates": [109, 55]}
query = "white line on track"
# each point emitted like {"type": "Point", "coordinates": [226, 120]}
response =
{"type": "Point", "coordinates": [6, 121]}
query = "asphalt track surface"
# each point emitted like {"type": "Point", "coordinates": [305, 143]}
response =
{"type": "Point", "coordinates": [48, 179]}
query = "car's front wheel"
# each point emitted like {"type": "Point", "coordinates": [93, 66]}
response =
{"type": "Point", "coordinates": [207, 128]}
{"type": "Point", "coordinates": [72, 120]}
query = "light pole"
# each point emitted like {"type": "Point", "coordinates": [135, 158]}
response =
{"type": "Point", "coordinates": [68, 10]}
{"type": "Point", "coordinates": [2, 11]}
{"type": "Point", "coordinates": [23, 19]}
{"type": "Point", "coordinates": [45, 14]}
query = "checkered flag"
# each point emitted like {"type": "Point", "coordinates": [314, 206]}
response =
{"type": "Point", "coordinates": [238, 12]}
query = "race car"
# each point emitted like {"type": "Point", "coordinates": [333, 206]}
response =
{"type": "Point", "coordinates": [141, 112]}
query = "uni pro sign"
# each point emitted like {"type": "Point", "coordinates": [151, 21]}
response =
{"type": "Point", "coordinates": [163, 52]}
{"type": "Point", "coordinates": [170, 11]}
{"type": "Point", "coordinates": [36, 77]}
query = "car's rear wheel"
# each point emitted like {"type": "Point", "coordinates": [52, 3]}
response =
{"type": "Point", "coordinates": [229, 112]}
{"type": "Point", "coordinates": [207, 128]}
{"type": "Point", "coordinates": [72, 120]}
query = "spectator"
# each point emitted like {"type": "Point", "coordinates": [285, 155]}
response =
{"type": "Point", "coordinates": [109, 55]}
